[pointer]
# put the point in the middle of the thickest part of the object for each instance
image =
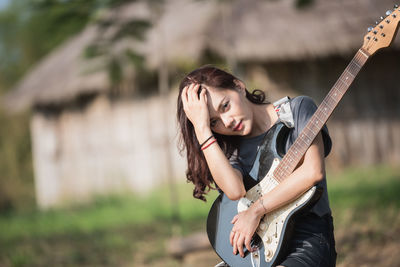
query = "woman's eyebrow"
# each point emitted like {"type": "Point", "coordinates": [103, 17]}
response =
{"type": "Point", "coordinates": [219, 108]}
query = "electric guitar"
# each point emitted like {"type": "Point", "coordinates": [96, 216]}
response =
{"type": "Point", "coordinates": [272, 167]}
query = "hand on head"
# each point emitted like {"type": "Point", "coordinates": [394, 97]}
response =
{"type": "Point", "coordinates": [194, 100]}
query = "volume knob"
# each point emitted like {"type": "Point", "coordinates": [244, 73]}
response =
{"type": "Point", "coordinates": [269, 253]}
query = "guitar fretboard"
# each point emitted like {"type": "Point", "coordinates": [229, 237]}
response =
{"type": "Point", "coordinates": [320, 117]}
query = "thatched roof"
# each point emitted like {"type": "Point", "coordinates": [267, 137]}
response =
{"type": "Point", "coordinates": [249, 30]}
{"type": "Point", "coordinates": [277, 30]}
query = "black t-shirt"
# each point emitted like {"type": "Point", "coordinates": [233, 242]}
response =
{"type": "Point", "coordinates": [303, 108]}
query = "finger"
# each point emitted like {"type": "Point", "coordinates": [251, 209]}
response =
{"type": "Point", "coordinates": [191, 94]}
{"type": "Point", "coordinates": [235, 218]}
{"type": "Point", "coordinates": [235, 239]}
{"type": "Point", "coordinates": [196, 91]}
{"type": "Point", "coordinates": [203, 96]}
{"type": "Point", "coordinates": [247, 241]}
{"type": "Point", "coordinates": [184, 96]}
{"type": "Point", "coordinates": [231, 236]}
{"type": "Point", "coordinates": [240, 245]}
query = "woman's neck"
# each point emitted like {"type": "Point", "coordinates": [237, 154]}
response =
{"type": "Point", "coordinates": [264, 116]}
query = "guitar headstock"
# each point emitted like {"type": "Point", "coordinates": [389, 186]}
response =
{"type": "Point", "coordinates": [383, 34]}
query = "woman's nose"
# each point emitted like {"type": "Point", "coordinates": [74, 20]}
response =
{"type": "Point", "coordinates": [228, 121]}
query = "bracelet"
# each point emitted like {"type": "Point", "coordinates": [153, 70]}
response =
{"type": "Point", "coordinates": [209, 144]}
{"type": "Point", "coordinates": [262, 204]}
{"type": "Point", "coordinates": [202, 144]}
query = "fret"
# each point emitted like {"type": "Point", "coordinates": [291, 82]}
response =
{"type": "Point", "coordinates": [362, 53]}
{"type": "Point", "coordinates": [325, 110]}
{"type": "Point", "coordinates": [306, 136]}
{"type": "Point", "coordinates": [335, 92]}
{"type": "Point", "coordinates": [301, 141]}
{"type": "Point", "coordinates": [356, 64]}
{"type": "Point", "coordinates": [326, 103]}
{"type": "Point", "coordinates": [309, 127]}
{"type": "Point", "coordinates": [348, 72]}
{"type": "Point", "coordinates": [342, 83]}
{"type": "Point", "coordinates": [345, 80]}
{"type": "Point", "coordinates": [329, 101]}
{"type": "Point", "coordinates": [354, 67]}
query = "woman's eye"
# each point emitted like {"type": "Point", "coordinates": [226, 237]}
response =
{"type": "Point", "coordinates": [225, 105]}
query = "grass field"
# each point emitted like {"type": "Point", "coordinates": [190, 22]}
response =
{"type": "Point", "coordinates": [132, 231]}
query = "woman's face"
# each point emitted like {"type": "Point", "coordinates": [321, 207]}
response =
{"type": "Point", "coordinates": [230, 111]}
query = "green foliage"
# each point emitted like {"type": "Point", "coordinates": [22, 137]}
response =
{"type": "Point", "coordinates": [362, 188]}
{"type": "Point", "coordinates": [104, 213]}
{"type": "Point", "coordinates": [117, 62]}
{"type": "Point", "coordinates": [108, 232]}
{"type": "Point", "coordinates": [135, 28]}
{"type": "Point", "coordinates": [30, 29]}
{"type": "Point", "coordinates": [358, 190]}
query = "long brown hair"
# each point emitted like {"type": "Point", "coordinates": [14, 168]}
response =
{"type": "Point", "coordinates": [198, 172]}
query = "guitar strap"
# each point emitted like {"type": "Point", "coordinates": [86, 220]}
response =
{"type": "Point", "coordinates": [285, 115]}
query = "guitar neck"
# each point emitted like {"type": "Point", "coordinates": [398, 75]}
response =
{"type": "Point", "coordinates": [320, 117]}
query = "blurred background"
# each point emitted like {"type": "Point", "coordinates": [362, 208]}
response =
{"type": "Point", "coordinates": [90, 171]}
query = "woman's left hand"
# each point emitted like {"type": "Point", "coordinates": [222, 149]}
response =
{"type": "Point", "coordinates": [245, 224]}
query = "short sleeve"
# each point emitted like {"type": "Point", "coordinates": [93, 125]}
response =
{"type": "Point", "coordinates": [303, 107]}
{"type": "Point", "coordinates": [234, 161]}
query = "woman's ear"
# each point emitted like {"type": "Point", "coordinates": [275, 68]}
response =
{"type": "Point", "coordinates": [240, 85]}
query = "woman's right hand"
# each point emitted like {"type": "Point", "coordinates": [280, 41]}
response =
{"type": "Point", "coordinates": [196, 109]}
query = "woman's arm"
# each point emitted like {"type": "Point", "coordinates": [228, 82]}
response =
{"type": "Point", "coordinates": [229, 179]}
{"type": "Point", "coordinates": [310, 172]}
{"type": "Point", "coordinates": [225, 176]}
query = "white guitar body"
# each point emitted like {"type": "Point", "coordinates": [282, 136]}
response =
{"type": "Point", "coordinates": [272, 226]}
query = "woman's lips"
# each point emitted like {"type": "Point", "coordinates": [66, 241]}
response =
{"type": "Point", "coordinates": [238, 127]}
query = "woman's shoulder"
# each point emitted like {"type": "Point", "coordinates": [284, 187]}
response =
{"type": "Point", "coordinates": [302, 100]}
{"type": "Point", "coordinates": [302, 103]}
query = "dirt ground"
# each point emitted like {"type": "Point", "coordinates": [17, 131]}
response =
{"type": "Point", "coordinates": [360, 246]}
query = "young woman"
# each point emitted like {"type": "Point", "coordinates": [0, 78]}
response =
{"type": "Point", "coordinates": [221, 125]}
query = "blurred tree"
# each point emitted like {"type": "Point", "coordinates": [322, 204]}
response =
{"type": "Point", "coordinates": [29, 29]}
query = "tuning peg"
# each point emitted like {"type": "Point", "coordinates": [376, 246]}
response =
{"type": "Point", "coordinates": [396, 6]}
{"type": "Point", "coordinates": [370, 29]}
{"type": "Point", "coordinates": [388, 12]}
{"type": "Point", "coordinates": [381, 18]}
{"type": "Point", "coordinates": [376, 22]}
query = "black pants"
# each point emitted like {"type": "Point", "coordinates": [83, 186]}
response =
{"type": "Point", "coordinates": [312, 243]}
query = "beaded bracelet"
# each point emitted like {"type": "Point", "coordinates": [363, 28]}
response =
{"type": "Point", "coordinates": [262, 204]}
{"type": "Point", "coordinates": [202, 144]}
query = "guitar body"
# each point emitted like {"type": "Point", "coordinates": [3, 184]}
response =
{"type": "Point", "coordinates": [275, 228]}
